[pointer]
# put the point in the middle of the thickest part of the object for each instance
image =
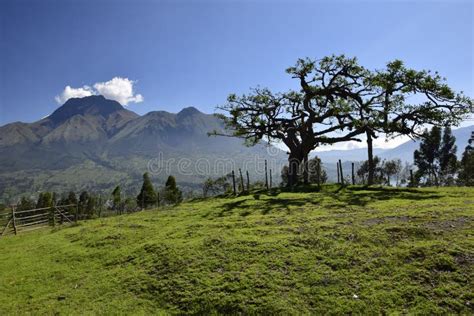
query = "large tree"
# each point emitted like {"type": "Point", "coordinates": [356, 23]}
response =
{"type": "Point", "coordinates": [376, 102]}
{"type": "Point", "coordinates": [302, 120]}
{"type": "Point", "coordinates": [339, 100]}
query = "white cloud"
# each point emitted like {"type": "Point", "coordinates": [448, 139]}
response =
{"type": "Point", "coordinates": [380, 142]}
{"type": "Point", "coordinates": [387, 143]}
{"type": "Point", "coordinates": [118, 89]}
{"type": "Point", "coordinates": [69, 93]}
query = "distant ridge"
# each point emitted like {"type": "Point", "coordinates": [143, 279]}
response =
{"type": "Point", "coordinates": [95, 143]}
{"type": "Point", "coordinates": [403, 151]}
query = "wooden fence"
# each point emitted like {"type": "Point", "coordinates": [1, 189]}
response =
{"type": "Point", "coordinates": [15, 222]}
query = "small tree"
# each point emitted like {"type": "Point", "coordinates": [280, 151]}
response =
{"type": "Point", "coordinates": [312, 170]}
{"type": "Point", "coordinates": [116, 197]}
{"type": "Point", "coordinates": [83, 203]}
{"type": "Point", "coordinates": [130, 204]}
{"type": "Point", "coordinates": [426, 157]}
{"type": "Point", "coordinates": [71, 198]}
{"type": "Point", "coordinates": [436, 159]}
{"type": "Point", "coordinates": [45, 199]}
{"type": "Point", "coordinates": [147, 195]}
{"type": "Point", "coordinates": [25, 204]}
{"type": "Point", "coordinates": [466, 172]}
{"type": "Point", "coordinates": [448, 162]}
{"type": "Point", "coordinates": [93, 206]}
{"type": "Point", "coordinates": [363, 171]}
{"type": "Point", "coordinates": [391, 168]}
{"type": "Point", "coordinates": [171, 193]}
{"type": "Point", "coordinates": [284, 175]}
{"type": "Point", "coordinates": [314, 166]}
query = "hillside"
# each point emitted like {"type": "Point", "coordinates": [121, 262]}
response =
{"type": "Point", "coordinates": [356, 250]}
{"type": "Point", "coordinates": [93, 143]}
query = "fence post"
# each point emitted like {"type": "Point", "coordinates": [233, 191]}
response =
{"type": "Point", "coordinates": [100, 204]}
{"type": "Point", "coordinates": [233, 182]}
{"type": "Point", "coordinates": [342, 176]}
{"type": "Point", "coordinates": [337, 169]}
{"type": "Point", "coordinates": [241, 180]}
{"type": "Point", "coordinates": [266, 175]}
{"type": "Point", "coordinates": [248, 181]}
{"type": "Point", "coordinates": [353, 175]}
{"type": "Point", "coordinates": [14, 219]}
{"type": "Point", "coordinates": [270, 178]}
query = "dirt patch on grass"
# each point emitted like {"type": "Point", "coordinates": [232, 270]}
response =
{"type": "Point", "coordinates": [387, 219]}
{"type": "Point", "coordinates": [451, 224]}
{"type": "Point", "coordinates": [402, 232]}
{"type": "Point", "coordinates": [464, 259]}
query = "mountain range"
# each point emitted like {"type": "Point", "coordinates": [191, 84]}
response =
{"type": "Point", "coordinates": [93, 143]}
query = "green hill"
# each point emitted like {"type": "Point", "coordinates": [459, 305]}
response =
{"type": "Point", "coordinates": [355, 250]}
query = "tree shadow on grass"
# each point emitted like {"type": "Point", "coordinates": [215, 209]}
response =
{"type": "Point", "coordinates": [341, 197]}
{"type": "Point", "coordinates": [361, 196]}
{"type": "Point", "coordinates": [264, 206]}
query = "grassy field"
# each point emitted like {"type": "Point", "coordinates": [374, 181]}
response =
{"type": "Point", "coordinates": [354, 250]}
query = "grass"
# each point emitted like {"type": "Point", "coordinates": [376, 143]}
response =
{"type": "Point", "coordinates": [351, 250]}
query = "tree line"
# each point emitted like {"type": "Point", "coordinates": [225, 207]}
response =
{"type": "Point", "coordinates": [90, 205]}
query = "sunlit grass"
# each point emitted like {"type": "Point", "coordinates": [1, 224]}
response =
{"type": "Point", "coordinates": [340, 250]}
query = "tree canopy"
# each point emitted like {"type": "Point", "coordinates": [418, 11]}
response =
{"type": "Point", "coordinates": [338, 100]}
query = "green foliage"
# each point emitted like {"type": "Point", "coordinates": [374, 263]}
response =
{"type": "Point", "coordinates": [130, 205]}
{"type": "Point", "coordinates": [337, 94]}
{"type": "Point", "coordinates": [93, 206]}
{"type": "Point", "coordinates": [448, 162]}
{"type": "Point", "coordinates": [436, 158]}
{"type": "Point", "coordinates": [466, 173]}
{"type": "Point", "coordinates": [314, 165]}
{"type": "Point", "coordinates": [391, 168]}
{"type": "Point", "coordinates": [363, 171]}
{"type": "Point", "coordinates": [116, 197]}
{"type": "Point", "coordinates": [335, 251]}
{"type": "Point", "coordinates": [171, 193]}
{"type": "Point", "coordinates": [71, 198]}
{"type": "Point", "coordinates": [45, 199]}
{"type": "Point", "coordinates": [147, 196]}
{"type": "Point", "coordinates": [25, 204]}
{"type": "Point", "coordinates": [86, 205]}
{"type": "Point", "coordinates": [213, 187]}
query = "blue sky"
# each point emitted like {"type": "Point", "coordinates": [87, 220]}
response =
{"type": "Point", "coordinates": [183, 53]}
